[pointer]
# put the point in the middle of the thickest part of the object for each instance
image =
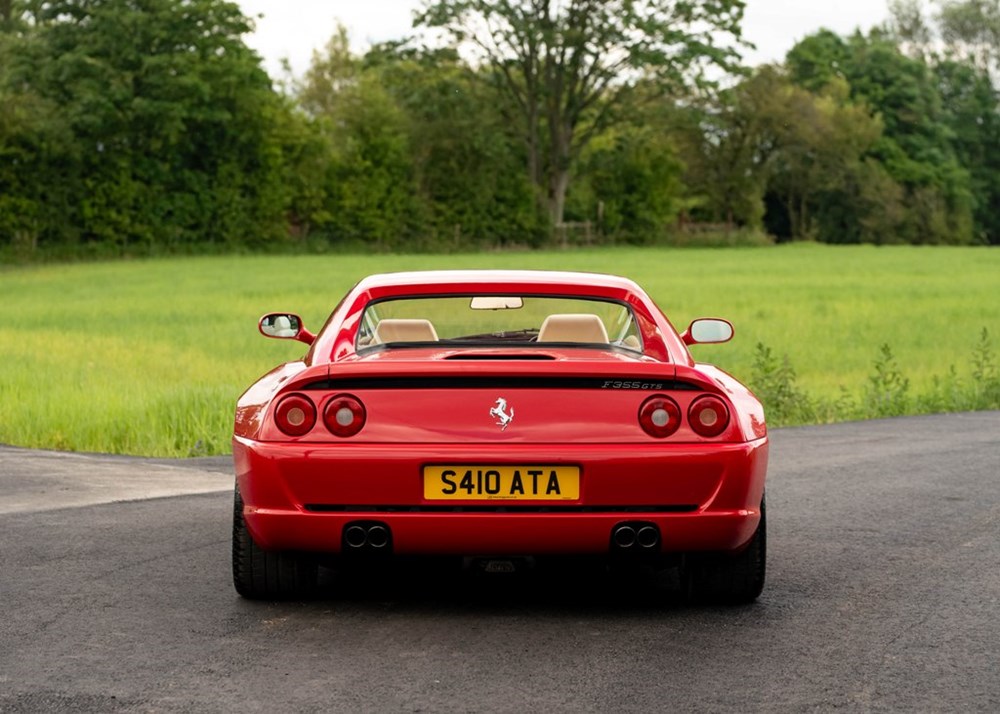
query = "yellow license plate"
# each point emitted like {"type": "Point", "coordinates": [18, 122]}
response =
{"type": "Point", "coordinates": [502, 483]}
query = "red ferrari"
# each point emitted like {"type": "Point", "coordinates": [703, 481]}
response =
{"type": "Point", "coordinates": [499, 416]}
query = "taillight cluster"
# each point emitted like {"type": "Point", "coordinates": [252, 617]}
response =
{"type": "Point", "coordinates": [708, 416]}
{"type": "Point", "coordinates": [295, 415]}
{"type": "Point", "coordinates": [344, 415]}
{"type": "Point", "coordinates": [660, 416]}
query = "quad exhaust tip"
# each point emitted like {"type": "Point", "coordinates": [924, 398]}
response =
{"type": "Point", "coordinates": [635, 537]}
{"type": "Point", "coordinates": [355, 536]}
{"type": "Point", "coordinates": [648, 537]}
{"type": "Point", "coordinates": [366, 535]}
{"type": "Point", "coordinates": [624, 536]}
{"type": "Point", "coordinates": [378, 536]}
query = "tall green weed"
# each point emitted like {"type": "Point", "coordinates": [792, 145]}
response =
{"type": "Point", "coordinates": [985, 376]}
{"type": "Point", "coordinates": [886, 393]}
{"type": "Point", "coordinates": [774, 382]}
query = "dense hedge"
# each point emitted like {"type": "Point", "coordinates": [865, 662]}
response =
{"type": "Point", "coordinates": [148, 126]}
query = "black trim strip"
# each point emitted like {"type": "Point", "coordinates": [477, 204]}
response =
{"type": "Point", "coordinates": [514, 356]}
{"type": "Point", "coordinates": [335, 508]}
{"type": "Point", "coordinates": [644, 384]}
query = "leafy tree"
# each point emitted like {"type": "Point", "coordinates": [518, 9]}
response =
{"type": "Point", "coordinates": [567, 67]}
{"type": "Point", "coordinates": [817, 146]}
{"type": "Point", "coordinates": [422, 157]}
{"type": "Point", "coordinates": [332, 71]}
{"type": "Point", "coordinates": [723, 148]}
{"type": "Point", "coordinates": [960, 43]}
{"type": "Point", "coordinates": [909, 26]}
{"type": "Point", "coordinates": [972, 113]}
{"type": "Point", "coordinates": [773, 150]}
{"type": "Point", "coordinates": [36, 145]}
{"type": "Point", "coordinates": [915, 147]}
{"type": "Point", "coordinates": [34, 194]}
{"type": "Point", "coordinates": [818, 60]}
{"type": "Point", "coordinates": [630, 182]}
{"type": "Point", "coordinates": [170, 116]}
{"type": "Point", "coordinates": [971, 30]}
{"type": "Point", "coordinates": [467, 163]}
{"type": "Point", "coordinates": [370, 194]}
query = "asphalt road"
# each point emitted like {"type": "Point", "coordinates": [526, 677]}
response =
{"type": "Point", "coordinates": [882, 595]}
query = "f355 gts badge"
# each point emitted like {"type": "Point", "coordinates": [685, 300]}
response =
{"type": "Point", "coordinates": [499, 412]}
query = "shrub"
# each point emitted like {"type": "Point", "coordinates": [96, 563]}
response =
{"type": "Point", "coordinates": [887, 392]}
{"type": "Point", "coordinates": [985, 377]}
{"type": "Point", "coordinates": [774, 382]}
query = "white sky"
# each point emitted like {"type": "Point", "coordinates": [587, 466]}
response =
{"type": "Point", "coordinates": [292, 29]}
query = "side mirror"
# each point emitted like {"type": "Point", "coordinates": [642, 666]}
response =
{"type": "Point", "coordinates": [284, 326]}
{"type": "Point", "coordinates": [708, 331]}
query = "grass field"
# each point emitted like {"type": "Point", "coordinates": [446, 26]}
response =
{"type": "Point", "coordinates": [148, 357]}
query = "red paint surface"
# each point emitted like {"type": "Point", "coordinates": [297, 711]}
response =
{"type": "Point", "coordinates": [596, 428]}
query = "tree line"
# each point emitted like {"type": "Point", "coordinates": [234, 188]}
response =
{"type": "Point", "coordinates": [145, 126]}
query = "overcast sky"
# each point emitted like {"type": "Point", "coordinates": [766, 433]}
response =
{"type": "Point", "coordinates": [294, 28]}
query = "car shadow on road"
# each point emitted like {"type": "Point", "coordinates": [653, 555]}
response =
{"type": "Point", "coordinates": [497, 586]}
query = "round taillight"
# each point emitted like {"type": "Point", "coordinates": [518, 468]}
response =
{"type": "Point", "coordinates": [709, 416]}
{"type": "Point", "coordinates": [660, 416]}
{"type": "Point", "coordinates": [344, 415]}
{"type": "Point", "coordinates": [295, 415]}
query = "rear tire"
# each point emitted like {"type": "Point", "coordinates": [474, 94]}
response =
{"type": "Point", "coordinates": [260, 574]}
{"type": "Point", "coordinates": [731, 579]}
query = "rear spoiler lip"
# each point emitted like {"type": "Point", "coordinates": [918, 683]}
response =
{"type": "Point", "coordinates": [637, 377]}
{"type": "Point", "coordinates": [599, 376]}
{"type": "Point", "coordinates": [610, 380]}
{"type": "Point", "coordinates": [617, 383]}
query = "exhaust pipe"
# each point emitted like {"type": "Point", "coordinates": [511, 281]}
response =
{"type": "Point", "coordinates": [378, 536]}
{"type": "Point", "coordinates": [624, 536]}
{"type": "Point", "coordinates": [635, 536]}
{"type": "Point", "coordinates": [356, 536]}
{"type": "Point", "coordinates": [359, 536]}
{"type": "Point", "coordinates": [648, 537]}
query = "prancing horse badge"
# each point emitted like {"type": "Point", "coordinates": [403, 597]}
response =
{"type": "Point", "coordinates": [499, 412]}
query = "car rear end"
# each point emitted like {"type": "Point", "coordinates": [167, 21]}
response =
{"type": "Point", "coordinates": [577, 454]}
{"type": "Point", "coordinates": [499, 414]}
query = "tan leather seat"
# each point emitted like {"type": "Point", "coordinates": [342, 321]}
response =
{"type": "Point", "coordinates": [400, 330]}
{"type": "Point", "coordinates": [573, 328]}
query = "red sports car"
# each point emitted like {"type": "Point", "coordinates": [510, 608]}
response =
{"type": "Point", "coordinates": [499, 416]}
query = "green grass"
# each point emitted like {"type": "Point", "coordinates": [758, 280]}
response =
{"type": "Point", "coordinates": [148, 357]}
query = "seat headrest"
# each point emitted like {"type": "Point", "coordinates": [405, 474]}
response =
{"type": "Point", "coordinates": [400, 330]}
{"type": "Point", "coordinates": [573, 328]}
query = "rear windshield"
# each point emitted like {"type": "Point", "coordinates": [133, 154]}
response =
{"type": "Point", "coordinates": [500, 321]}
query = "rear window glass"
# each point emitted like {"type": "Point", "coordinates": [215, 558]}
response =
{"type": "Point", "coordinates": [500, 321]}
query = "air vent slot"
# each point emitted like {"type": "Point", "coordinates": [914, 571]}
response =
{"type": "Point", "coordinates": [500, 357]}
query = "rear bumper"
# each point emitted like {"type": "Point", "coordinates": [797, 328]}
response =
{"type": "Point", "coordinates": [301, 496]}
